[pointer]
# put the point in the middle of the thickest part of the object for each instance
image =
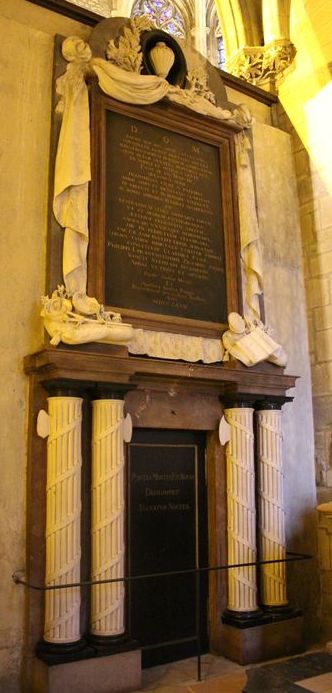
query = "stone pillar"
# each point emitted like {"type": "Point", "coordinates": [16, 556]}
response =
{"type": "Point", "coordinates": [325, 566]}
{"type": "Point", "coordinates": [272, 537]}
{"type": "Point", "coordinates": [200, 30]}
{"type": "Point", "coordinates": [241, 514]}
{"type": "Point", "coordinates": [63, 510]}
{"type": "Point", "coordinates": [275, 20]}
{"type": "Point", "coordinates": [107, 520]}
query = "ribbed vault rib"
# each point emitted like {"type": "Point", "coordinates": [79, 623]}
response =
{"type": "Point", "coordinates": [241, 22]}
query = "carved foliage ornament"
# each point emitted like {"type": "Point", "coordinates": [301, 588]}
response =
{"type": "Point", "coordinates": [126, 51]}
{"type": "Point", "coordinates": [257, 64]}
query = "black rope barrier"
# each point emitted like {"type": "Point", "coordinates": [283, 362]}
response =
{"type": "Point", "coordinates": [291, 556]}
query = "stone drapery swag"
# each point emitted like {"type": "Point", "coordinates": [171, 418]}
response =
{"type": "Point", "coordinates": [73, 170]}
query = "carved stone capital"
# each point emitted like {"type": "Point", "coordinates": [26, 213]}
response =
{"type": "Point", "coordinates": [263, 66]}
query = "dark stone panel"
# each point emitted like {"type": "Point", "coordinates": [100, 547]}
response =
{"type": "Point", "coordinates": [281, 677]}
{"type": "Point", "coordinates": [164, 523]}
{"type": "Point", "coordinates": [164, 239]}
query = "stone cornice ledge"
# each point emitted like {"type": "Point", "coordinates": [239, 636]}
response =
{"type": "Point", "coordinates": [263, 66]}
{"type": "Point", "coordinates": [104, 365]}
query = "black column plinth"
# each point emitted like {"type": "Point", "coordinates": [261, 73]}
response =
{"type": "Point", "coordinates": [60, 653]}
{"type": "Point", "coordinates": [281, 613]}
{"type": "Point", "coordinates": [243, 619]}
{"type": "Point", "coordinates": [111, 644]}
{"type": "Point", "coordinates": [263, 615]}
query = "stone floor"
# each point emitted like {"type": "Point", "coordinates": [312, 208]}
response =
{"type": "Point", "coordinates": [309, 672]}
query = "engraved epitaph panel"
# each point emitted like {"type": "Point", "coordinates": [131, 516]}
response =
{"type": "Point", "coordinates": [163, 222]}
{"type": "Point", "coordinates": [166, 532]}
{"type": "Point", "coordinates": [163, 216]}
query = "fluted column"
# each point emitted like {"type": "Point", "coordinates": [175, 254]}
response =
{"type": "Point", "coordinates": [63, 509]}
{"type": "Point", "coordinates": [241, 513]}
{"type": "Point", "coordinates": [107, 520]}
{"type": "Point", "coordinates": [271, 506]}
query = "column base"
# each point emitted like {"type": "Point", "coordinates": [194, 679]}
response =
{"type": "Point", "coordinates": [111, 644]}
{"type": "Point", "coordinates": [280, 613]}
{"type": "Point", "coordinates": [243, 619]}
{"type": "Point", "coordinates": [119, 673]}
{"type": "Point", "coordinates": [58, 653]}
{"type": "Point", "coordinates": [259, 643]}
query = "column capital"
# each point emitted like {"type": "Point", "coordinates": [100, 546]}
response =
{"type": "Point", "coordinates": [110, 391]}
{"type": "Point", "coordinates": [63, 388]}
{"type": "Point", "coordinates": [237, 400]}
{"type": "Point", "coordinates": [70, 387]}
{"type": "Point", "coordinates": [242, 400]}
{"type": "Point", "coordinates": [263, 66]}
{"type": "Point", "coordinates": [271, 402]}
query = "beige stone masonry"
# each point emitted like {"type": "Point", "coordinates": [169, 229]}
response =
{"type": "Point", "coordinates": [325, 212]}
{"type": "Point", "coordinates": [321, 264]}
{"type": "Point", "coordinates": [323, 317]}
{"type": "Point", "coordinates": [325, 561]}
{"type": "Point", "coordinates": [324, 346]}
{"type": "Point", "coordinates": [321, 378]}
{"type": "Point", "coordinates": [324, 239]}
{"type": "Point", "coordinates": [318, 292]}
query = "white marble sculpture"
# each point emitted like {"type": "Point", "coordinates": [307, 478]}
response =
{"type": "Point", "coordinates": [162, 59]}
{"type": "Point", "coordinates": [251, 261]}
{"type": "Point", "coordinates": [249, 341]}
{"type": "Point", "coordinates": [120, 76]}
{"type": "Point", "coordinates": [80, 319]}
{"type": "Point", "coordinates": [165, 345]}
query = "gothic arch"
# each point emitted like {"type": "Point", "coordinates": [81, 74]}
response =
{"type": "Point", "coordinates": [241, 22]}
{"type": "Point", "coordinates": [184, 7]}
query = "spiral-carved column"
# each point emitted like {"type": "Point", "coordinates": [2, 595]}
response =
{"type": "Point", "coordinates": [107, 521]}
{"type": "Point", "coordinates": [271, 507]}
{"type": "Point", "coordinates": [63, 509]}
{"type": "Point", "coordinates": [241, 512]}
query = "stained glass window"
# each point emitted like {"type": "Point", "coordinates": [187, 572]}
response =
{"type": "Point", "coordinates": [221, 59]}
{"type": "Point", "coordinates": [163, 14]}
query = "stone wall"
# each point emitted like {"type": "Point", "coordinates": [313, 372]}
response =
{"type": "Point", "coordinates": [285, 308]}
{"type": "Point", "coordinates": [306, 96]}
{"type": "Point", "coordinates": [26, 57]}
